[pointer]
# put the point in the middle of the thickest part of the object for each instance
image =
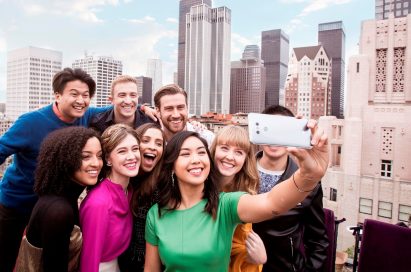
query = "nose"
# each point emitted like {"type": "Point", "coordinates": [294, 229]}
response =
{"type": "Point", "coordinates": [230, 155]}
{"type": "Point", "coordinates": [127, 99]}
{"type": "Point", "coordinates": [80, 99]}
{"type": "Point", "coordinates": [95, 161]}
{"type": "Point", "coordinates": [175, 113]}
{"type": "Point", "coordinates": [195, 158]}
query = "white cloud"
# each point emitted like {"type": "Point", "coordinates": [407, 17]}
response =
{"type": "Point", "coordinates": [293, 1]}
{"type": "Point", "coordinates": [85, 10]}
{"type": "Point", "coordinates": [238, 44]}
{"type": "Point", "coordinates": [172, 20]}
{"type": "Point", "coordinates": [311, 7]}
{"type": "Point", "coordinates": [144, 20]}
{"type": "Point", "coordinates": [317, 5]}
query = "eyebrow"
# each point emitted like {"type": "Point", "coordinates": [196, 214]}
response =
{"type": "Point", "coordinates": [200, 147]}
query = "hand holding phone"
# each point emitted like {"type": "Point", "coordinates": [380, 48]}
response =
{"type": "Point", "coordinates": [279, 130]}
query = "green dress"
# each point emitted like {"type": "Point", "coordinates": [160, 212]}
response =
{"type": "Point", "coordinates": [190, 239]}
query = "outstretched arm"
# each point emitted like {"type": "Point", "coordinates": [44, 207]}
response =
{"type": "Point", "coordinates": [312, 162]}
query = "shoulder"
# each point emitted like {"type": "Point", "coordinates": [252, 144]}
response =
{"type": "Point", "coordinates": [56, 209]}
{"type": "Point", "coordinates": [98, 197]}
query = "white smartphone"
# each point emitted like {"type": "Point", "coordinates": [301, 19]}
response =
{"type": "Point", "coordinates": [279, 130]}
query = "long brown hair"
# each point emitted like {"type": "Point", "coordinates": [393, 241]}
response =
{"type": "Point", "coordinates": [247, 178]}
{"type": "Point", "coordinates": [169, 193]}
{"type": "Point", "coordinates": [146, 183]}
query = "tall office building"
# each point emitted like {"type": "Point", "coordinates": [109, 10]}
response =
{"type": "Point", "coordinates": [274, 53]}
{"type": "Point", "coordinates": [370, 174]}
{"type": "Point", "coordinates": [308, 84]}
{"type": "Point", "coordinates": [30, 72]}
{"type": "Point", "coordinates": [399, 8]}
{"type": "Point", "coordinates": [185, 6]}
{"type": "Point", "coordinates": [154, 71]}
{"type": "Point", "coordinates": [248, 82]}
{"type": "Point", "coordinates": [332, 37]}
{"type": "Point", "coordinates": [103, 70]}
{"type": "Point", "coordinates": [208, 42]}
{"type": "Point", "coordinates": [144, 90]}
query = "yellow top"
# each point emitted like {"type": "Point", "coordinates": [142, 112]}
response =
{"type": "Point", "coordinates": [238, 262]}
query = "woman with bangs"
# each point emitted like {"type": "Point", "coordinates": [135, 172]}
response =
{"type": "Point", "coordinates": [145, 195]}
{"type": "Point", "coordinates": [236, 169]}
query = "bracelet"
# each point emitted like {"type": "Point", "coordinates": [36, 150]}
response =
{"type": "Point", "coordinates": [298, 188]}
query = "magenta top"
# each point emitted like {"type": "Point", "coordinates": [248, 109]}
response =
{"type": "Point", "coordinates": [106, 223]}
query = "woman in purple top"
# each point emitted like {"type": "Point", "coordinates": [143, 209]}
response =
{"type": "Point", "coordinates": [105, 216]}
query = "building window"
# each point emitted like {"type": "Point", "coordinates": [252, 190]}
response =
{"type": "Point", "coordinates": [358, 67]}
{"type": "Point", "coordinates": [386, 168]}
{"type": "Point", "coordinates": [384, 209]}
{"type": "Point", "coordinates": [333, 194]}
{"type": "Point", "coordinates": [404, 213]}
{"type": "Point", "coordinates": [365, 205]}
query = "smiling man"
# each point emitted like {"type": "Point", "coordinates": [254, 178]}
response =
{"type": "Point", "coordinates": [171, 105]}
{"type": "Point", "coordinates": [73, 90]}
{"type": "Point", "coordinates": [124, 97]}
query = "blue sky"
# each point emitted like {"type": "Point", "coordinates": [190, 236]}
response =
{"type": "Point", "coordinates": [135, 30]}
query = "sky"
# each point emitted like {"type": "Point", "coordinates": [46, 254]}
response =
{"type": "Point", "coordinates": [135, 30]}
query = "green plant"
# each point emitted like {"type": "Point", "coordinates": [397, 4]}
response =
{"type": "Point", "coordinates": [350, 252]}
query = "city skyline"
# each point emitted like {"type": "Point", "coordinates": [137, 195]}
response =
{"type": "Point", "coordinates": [133, 31]}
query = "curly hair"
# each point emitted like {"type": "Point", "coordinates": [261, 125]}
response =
{"type": "Point", "coordinates": [169, 195]}
{"type": "Point", "coordinates": [247, 178]}
{"type": "Point", "coordinates": [59, 158]}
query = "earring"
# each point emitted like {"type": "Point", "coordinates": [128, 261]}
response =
{"type": "Point", "coordinates": [109, 164]}
{"type": "Point", "coordinates": [172, 179]}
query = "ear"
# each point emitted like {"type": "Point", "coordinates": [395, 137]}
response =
{"type": "Point", "coordinates": [110, 98]}
{"type": "Point", "coordinates": [57, 97]}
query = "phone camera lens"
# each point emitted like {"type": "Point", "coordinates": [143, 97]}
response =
{"type": "Point", "coordinates": [258, 132]}
{"type": "Point", "coordinates": [257, 124]}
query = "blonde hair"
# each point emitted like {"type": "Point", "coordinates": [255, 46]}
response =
{"type": "Point", "coordinates": [247, 179]}
{"type": "Point", "coordinates": [122, 79]}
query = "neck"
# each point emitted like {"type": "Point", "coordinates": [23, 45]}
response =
{"type": "Point", "coordinates": [226, 183]}
{"type": "Point", "coordinates": [278, 164]}
{"type": "Point", "coordinates": [190, 195]}
{"type": "Point", "coordinates": [123, 181]}
{"type": "Point", "coordinates": [124, 120]}
{"type": "Point", "coordinates": [168, 134]}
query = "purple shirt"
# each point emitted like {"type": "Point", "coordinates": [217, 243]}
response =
{"type": "Point", "coordinates": [106, 222]}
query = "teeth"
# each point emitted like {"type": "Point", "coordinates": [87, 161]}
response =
{"type": "Point", "coordinates": [150, 155]}
{"type": "Point", "coordinates": [92, 172]}
{"type": "Point", "coordinates": [226, 164]}
{"type": "Point", "coordinates": [195, 171]}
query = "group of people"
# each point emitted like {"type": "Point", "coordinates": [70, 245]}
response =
{"type": "Point", "coordinates": [162, 193]}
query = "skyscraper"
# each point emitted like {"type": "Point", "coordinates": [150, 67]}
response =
{"type": "Point", "coordinates": [369, 149]}
{"type": "Point", "coordinates": [274, 53]}
{"type": "Point", "coordinates": [332, 37]}
{"type": "Point", "coordinates": [248, 82]}
{"type": "Point", "coordinates": [399, 8]}
{"type": "Point", "coordinates": [103, 70]}
{"type": "Point", "coordinates": [30, 72]}
{"type": "Point", "coordinates": [308, 84]}
{"type": "Point", "coordinates": [154, 71]}
{"type": "Point", "coordinates": [185, 6]}
{"type": "Point", "coordinates": [208, 41]}
{"type": "Point", "coordinates": [144, 90]}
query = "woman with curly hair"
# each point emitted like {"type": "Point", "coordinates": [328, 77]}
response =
{"type": "Point", "coordinates": [145, 195]}
{"type": "Point", "coordinates": [191, 227]}
{"type": "Point", "coordinates": [69, 160]}
{"type": "Point", "coordinates": [236, 169]}
{"type": "Point", "coordinates": [105, 216]}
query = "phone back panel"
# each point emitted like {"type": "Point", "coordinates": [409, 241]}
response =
{"type": "Point", "coordinates": [278, 130]}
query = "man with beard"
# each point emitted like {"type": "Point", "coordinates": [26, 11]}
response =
{"type": "Point", "coordinates": [171, 106]}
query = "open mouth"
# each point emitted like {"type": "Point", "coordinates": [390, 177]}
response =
{"type": "Point", "coordinates": [227, 164]}
{"type": "Point", "coordinates": [92, 173]}
{"type": "Point", "coordinates": [149, 157]}
{"type": "Point", "coordinates": [196, 171]}
{"type": "Point", "coordinates": [131, 165]}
